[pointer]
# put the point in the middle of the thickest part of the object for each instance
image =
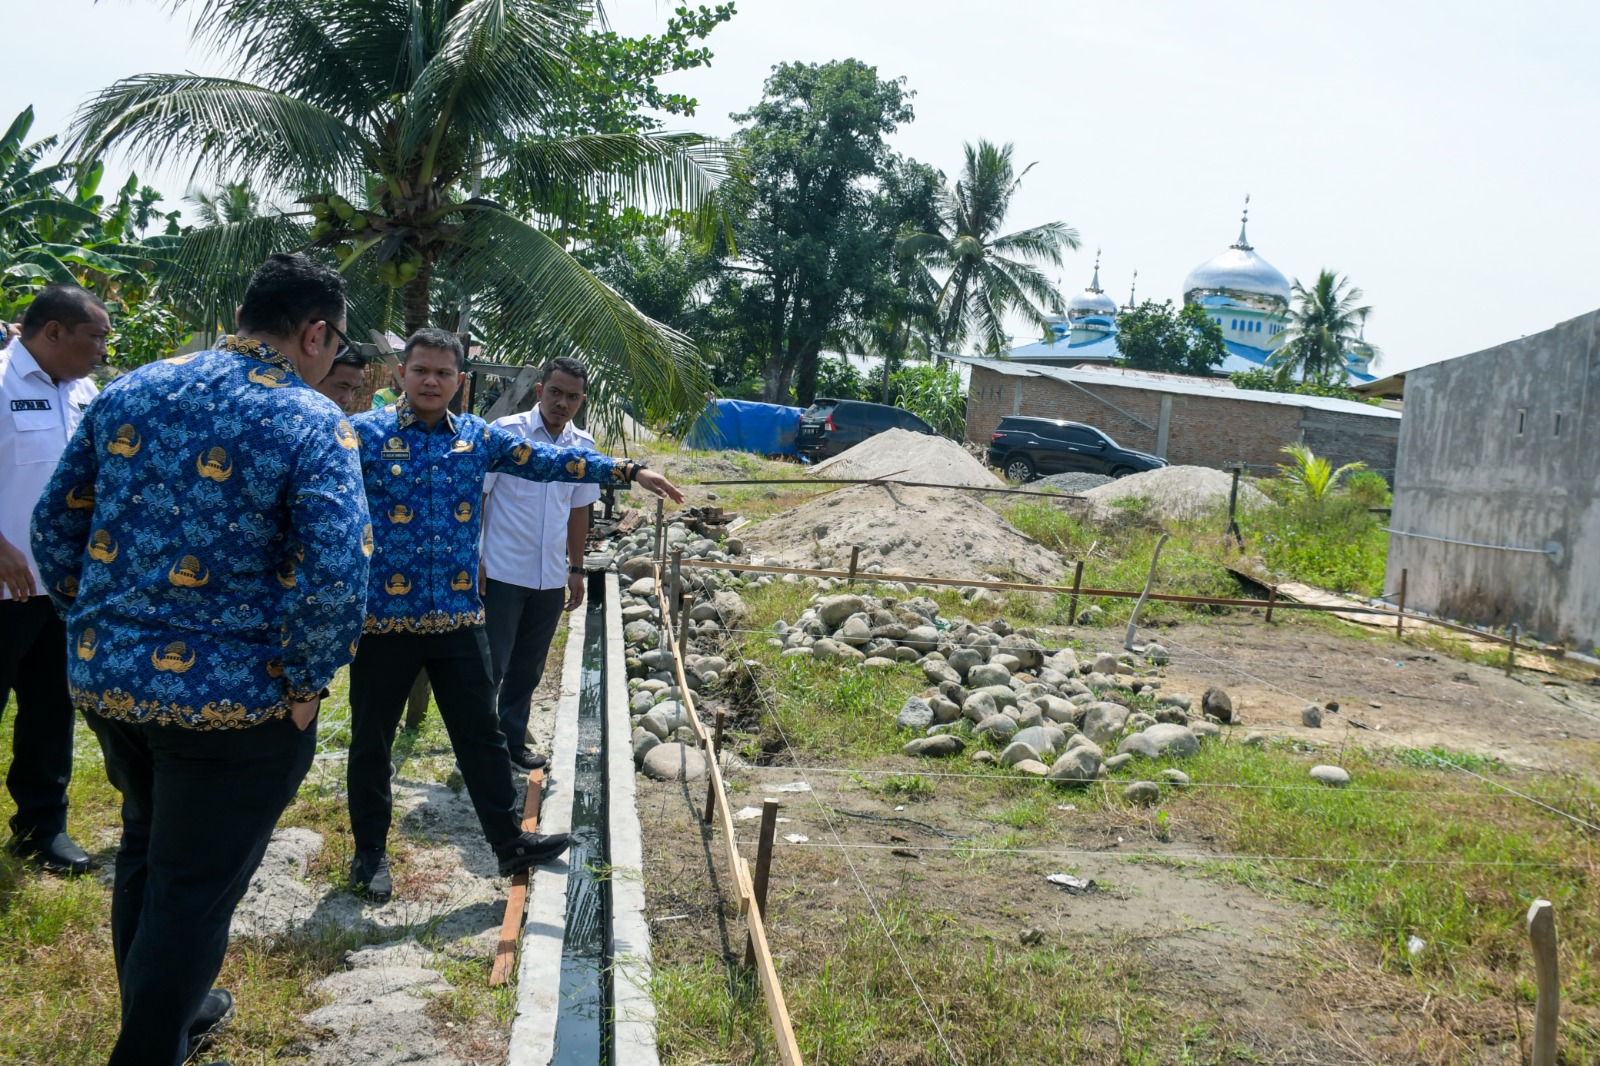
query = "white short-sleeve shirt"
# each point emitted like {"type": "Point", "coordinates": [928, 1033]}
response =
{"type": "Point", "coordinates": [525, 522]}
{"type": "Point", "coordinates": [37, 418]}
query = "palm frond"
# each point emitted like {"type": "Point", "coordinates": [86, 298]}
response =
{"type": "Point", "coordinates": [1044, 242]}
{"type": "Point", "coordinates": [656, 172]}
{"type": "Point", "coordinates": [211, 267]}
{"type": "Point", "coordinates": [540, 302]}
{"type": "Point", "coordinates": [497, 63]}
{"type": "Point", "coordinates": [231, 128]}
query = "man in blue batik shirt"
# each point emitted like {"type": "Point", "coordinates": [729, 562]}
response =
{"type": "Point", "coordinates": [205, 536]}
{"type": "Point", "coordinates": [424, 470]}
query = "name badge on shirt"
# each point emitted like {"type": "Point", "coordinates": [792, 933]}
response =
{"type": "Point", "coordinates": [30, 405]}
{"type": "Point", "coordinates": [395, 448]}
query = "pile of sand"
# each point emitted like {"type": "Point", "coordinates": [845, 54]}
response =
{"type": "Point", "coordinates": [907, 456]}
{"type": "Point", "coordinates": [1173, 492]}
{"type": "Point", "coordinates": [916, 532]}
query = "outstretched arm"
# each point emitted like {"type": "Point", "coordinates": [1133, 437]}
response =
{"type": "Point", "coordinates": [537, 461]}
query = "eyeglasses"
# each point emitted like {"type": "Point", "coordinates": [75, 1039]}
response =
{"type": "Point", "coordinates": [346, 345]}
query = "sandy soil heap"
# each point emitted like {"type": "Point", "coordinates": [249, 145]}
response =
{"type": "Point", "coordinates": [908, 456]}
{"type": "Point", "coordinates": [1174, 492]}
{"type": "Point", "coordinates": [917, 532]}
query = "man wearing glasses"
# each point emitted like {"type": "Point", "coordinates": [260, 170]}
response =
{"type": "Point", "coordinates": [205, 537]}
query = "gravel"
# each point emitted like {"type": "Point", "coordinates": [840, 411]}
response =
{"type": "Point", "coordinates": [1071, 481]}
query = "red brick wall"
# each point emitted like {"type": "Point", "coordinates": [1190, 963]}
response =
{"type": "Point", "coordinates": [1204, 430]}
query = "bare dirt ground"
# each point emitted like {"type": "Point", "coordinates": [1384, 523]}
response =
{"type": "Point", "coordinates": [1213, 951]}
{"type": "Point", "coordinates": [1271, 980]}
{"type": "Point", "coordinates": [1411, 697]}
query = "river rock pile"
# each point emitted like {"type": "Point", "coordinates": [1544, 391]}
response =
{"type": "Point", "coordinates": [659, 718]}
{"type": "Point", "coordinates": [1055, 713]}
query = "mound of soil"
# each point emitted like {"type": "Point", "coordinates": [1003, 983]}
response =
{"type": "Point", "coordinates": [907, 456]}
{"type": "Point", "coordinates": [916, 532]}
{"type": "Point", "coordinates": [1172, 492]}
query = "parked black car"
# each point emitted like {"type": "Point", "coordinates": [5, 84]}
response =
{"type": "Point", "coordinates": [829, 427]}
{"type": "Point", "coordinates": [1024, 448]}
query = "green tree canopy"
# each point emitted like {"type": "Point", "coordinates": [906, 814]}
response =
{"type": "Point", "coordinates": [1154, 336]}
{"type": "Point", "coordinates": [383, 117]}
{"type": "Point", "coordinates": [811, 247]}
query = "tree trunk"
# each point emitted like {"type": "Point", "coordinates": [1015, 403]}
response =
{"type": "Point", "coordinates": [414, 299]}
{"type": "Point", "coordinates": [775, 382]}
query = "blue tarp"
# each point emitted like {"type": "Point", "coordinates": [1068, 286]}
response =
{"type": "Point", "coordinates": [740, 425]}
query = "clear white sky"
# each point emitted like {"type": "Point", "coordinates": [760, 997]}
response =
{"type": "Point", "coordinates": [1441, 154]}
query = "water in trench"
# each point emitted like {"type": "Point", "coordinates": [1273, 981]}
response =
{"type": "Point", "coordinates": [583, 1025]}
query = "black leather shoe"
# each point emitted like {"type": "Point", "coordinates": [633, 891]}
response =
{"type": "Point", "coordinates": [216, 1011]}
{"type": "Point", "coordinates": [529, 849]}
{"type": "Point", "coordinates": [369, 876]}
{"type": "Point", "coordinates": [57, 854]}
{"type": "Point", "coordinates": [529, 760]}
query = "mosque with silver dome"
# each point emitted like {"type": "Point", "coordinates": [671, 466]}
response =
{"type": "Point", "coordinates": [1243, 293]}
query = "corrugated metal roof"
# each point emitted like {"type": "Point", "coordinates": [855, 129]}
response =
{"type": "Point", "coordinates": [1173, 383]}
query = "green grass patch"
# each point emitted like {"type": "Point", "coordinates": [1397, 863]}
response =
{"type": "Point", "coordinates": [1336, 543]}
{"type": "Point", "coordinates": [1117, 554]}
{"type": "Point", "coordinates": [1411, 849]}
{"type": "Point", "coordinates": [1065, 1000]}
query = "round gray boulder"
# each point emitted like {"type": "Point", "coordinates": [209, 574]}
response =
{"type": "Point", "coordinates": [674, 762]}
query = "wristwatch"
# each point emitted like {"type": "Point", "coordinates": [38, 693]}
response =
{"type": "Point", "coordinates": [633, 472]}
{"type": "Point", "coordinates": [576, 570]}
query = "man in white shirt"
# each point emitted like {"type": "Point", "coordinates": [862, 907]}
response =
{"type": "Point", "coordinates": [532, 571]}
{"type": "Point", "coordinates": [44, 387]}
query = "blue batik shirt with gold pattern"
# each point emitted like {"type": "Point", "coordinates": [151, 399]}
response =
{"type": "Point", "coordinates": [205, 536]}
{"type": "Point", "coordinates": [424, 489]}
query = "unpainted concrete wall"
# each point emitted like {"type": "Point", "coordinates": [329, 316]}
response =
{"type": "Point", "coordinates": [1481, 460]}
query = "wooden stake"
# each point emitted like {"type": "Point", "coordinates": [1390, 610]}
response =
{"type": "Point", "coordinates": [683, 627]}
{"type": "Point", "coordinates": [505, 952]}
{"type": "Point", "coordinates": [1547, 1009]}
{"type": "Point", "coordinates": [855, 556]}
{"type": "Point", "coordinates": [661, 530]}
{"type": "Point", "coordinates": [769, 829]}
{"type": "Point", "coordinates": [1272, 597]}
{"type": "Point", "coordinates": [677, 586]}
{"type": "Point", "coordinates": [1077, 583]}
{"type": "Point", "coordinates": [1400, 619]}
{"type": "Point", "coordinates": [717, 743]}
{"type": "Point", "coordinates": [1511, 652]}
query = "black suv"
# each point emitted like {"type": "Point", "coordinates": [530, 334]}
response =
{"type": "Point", "coordinates": [829, 427]}
{"type": "Point", "coordinates": [1024, 448]}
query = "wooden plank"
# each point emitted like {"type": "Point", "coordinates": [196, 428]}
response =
{"type": "Point", "coordinates": [505, 952]}
{"type": "Point", "coordinates": [738, 868]}
{"type": "Point", "coordinates": [777, 1008]}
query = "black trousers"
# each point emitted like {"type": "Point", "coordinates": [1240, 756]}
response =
{"type": "Point", "coordinates": [198, 809]}
{"type": "Point", "coordinates": [521, 623]}
{"type": "Point", "coordinates": [33, 664]}
{"type": "Point", "coordinates": [380, 679]}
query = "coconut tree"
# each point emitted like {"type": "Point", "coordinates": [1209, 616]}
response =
{"type": "Point", "coordinates": [236, 201]}
{"type": "Point", "coordinates": [382, 120]}
{"type": "Point", "coordinates": [1324, 326]}
{"type": "Point", "coordinates": [985, 274]}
